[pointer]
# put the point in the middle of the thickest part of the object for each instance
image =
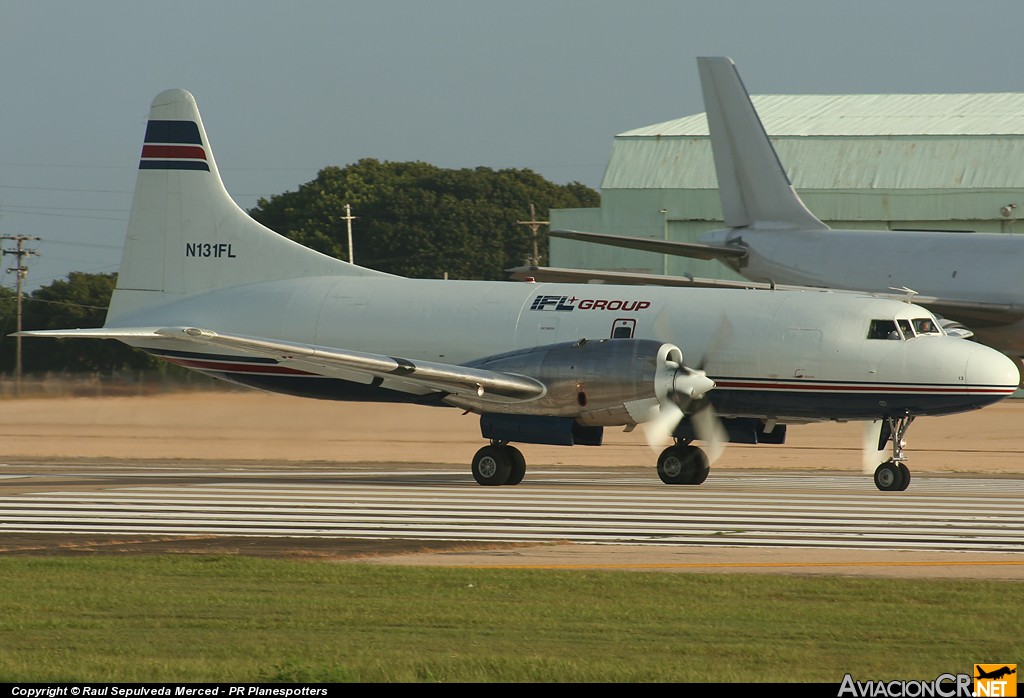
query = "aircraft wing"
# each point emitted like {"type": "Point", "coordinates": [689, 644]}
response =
{"type": "Point", "coordinates": [694, 250]}
{"type": "Point", "coordinates": [418, 376]}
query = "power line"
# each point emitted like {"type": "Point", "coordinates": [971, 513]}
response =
{"type": "Point", "coordinates": [21, 271]}
{"type": "Point", "coordinates": [534, 227]}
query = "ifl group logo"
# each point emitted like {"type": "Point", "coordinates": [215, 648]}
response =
{"type": "Point", "coordinates": [987, 681]}
{"type": "Point", "coordinates": [995, 680]}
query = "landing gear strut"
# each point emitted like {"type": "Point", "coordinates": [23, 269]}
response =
{"type": "Point", "coordinates": [683, 464]}
{"type": "Point", "coordinates": [893, 475]}
{"type": "Point", "coordinates": [499, 464]}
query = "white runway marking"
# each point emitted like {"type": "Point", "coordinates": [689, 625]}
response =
{"type": "Point", "coordinates": [792, 510]}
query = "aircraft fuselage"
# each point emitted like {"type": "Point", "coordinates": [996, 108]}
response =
{"type": "Point", "coordinates": [799, 356]}
{"type": "Point", "coordinates": [972, 268]}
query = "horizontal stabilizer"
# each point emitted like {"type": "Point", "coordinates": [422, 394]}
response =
{"type": "Point", "coordinates": [96, 333]}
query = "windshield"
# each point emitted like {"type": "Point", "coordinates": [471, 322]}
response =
{"type": "Point", "coordinates": [903, 328]}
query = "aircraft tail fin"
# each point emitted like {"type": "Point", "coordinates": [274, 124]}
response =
{"type": "Point", "coordinates": [186, 234]}
{"type": "Point", "coordinates": [752, 183]}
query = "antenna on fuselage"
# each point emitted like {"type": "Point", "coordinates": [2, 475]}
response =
{"type": "Point", "coordinates": [909, 291]}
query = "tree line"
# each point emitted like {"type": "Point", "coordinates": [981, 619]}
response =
{"type": "Point", "coordinates": [411, 219]}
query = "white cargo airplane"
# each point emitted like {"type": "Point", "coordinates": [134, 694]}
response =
{"type": "Point", "coordinates": [969, 279]}
{"type": "Point", "coordinates": [203, 285]}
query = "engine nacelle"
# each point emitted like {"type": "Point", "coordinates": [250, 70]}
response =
{"type": "Point", "coordinates": [592, 381]}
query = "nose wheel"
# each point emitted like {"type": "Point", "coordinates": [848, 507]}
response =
{"type": "Point", "coordinates": [893, 475]}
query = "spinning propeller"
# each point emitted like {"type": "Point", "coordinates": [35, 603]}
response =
{"type": "Point", "coordinates": [682, 390]}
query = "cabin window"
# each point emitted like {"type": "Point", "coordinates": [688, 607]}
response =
{"type": "Point", "coordinates": [883, 329]}
{"type": "Point", "coordinates": [907, 328]}
{"type": "Point", "coordinates": [925, 325]}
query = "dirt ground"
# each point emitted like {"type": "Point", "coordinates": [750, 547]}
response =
{"type": "Point", "coordinates": [252, 425]}
{"type": "Point", "coordinates": [255, 426]}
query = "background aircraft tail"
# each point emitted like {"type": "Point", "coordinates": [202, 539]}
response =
{"type": "Point", "coordinates": [752, 183]}
{"type": "Point", "coordinates": [186, 234]}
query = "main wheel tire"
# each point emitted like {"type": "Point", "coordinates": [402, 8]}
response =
{"type": "Point", "coordinates": [701, 467]}
{"type": "Point", "coordinates": [683, 465]}
{"type": "Point", "coordinates": [491, 466]}
{"type": "Point", "coordinates": [517, 465]}
{"type": "Point", "coordinates": [889, 477]}
{"type": "Point", "coordinates": [905, 472]}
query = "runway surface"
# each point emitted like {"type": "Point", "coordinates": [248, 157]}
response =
{"type": "Point", "coordinates": [600, 517]}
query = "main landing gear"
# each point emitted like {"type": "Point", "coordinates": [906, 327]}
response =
{"type": "Point", "coordinates": [893, 475]}
{"type": "Point", "coordinates": [683, 464]}
{"type": "Point", "coordinates": [502, 464]}
{"type": "Point", "coordinates": [499, 464]}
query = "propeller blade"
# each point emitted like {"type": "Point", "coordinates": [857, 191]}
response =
{"type": "Point", "coordinates": [871, 456]}
{"type": "Point", "coordinates": [709, 429]}
{"type": "Point", "coordinates": [680, 390]}
{"type": "Point", "coordinates": [722, 335]}
{"type": "Point", "coordinates": [659, 430]}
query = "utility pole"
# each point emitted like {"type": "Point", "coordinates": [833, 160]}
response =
{"type": "Point", "coordinates": [21, 272]}
{"type": "Point", "coordinates": [534, 225]}
{"type": "Point", "coordinates": [348, 218]}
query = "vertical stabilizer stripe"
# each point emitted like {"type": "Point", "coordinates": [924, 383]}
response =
{"type": "Point", "coordinates": [171, 152]}
{"type": "Point", "coordinates": [158, 131]}
{"type": "Point", "coordinates": [173, 165]}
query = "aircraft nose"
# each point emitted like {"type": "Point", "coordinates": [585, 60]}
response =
{"type": "Point", "coordinates": [990, 370]}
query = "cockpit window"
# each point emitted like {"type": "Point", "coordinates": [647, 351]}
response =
{"type": "Point", "coordinates": [902, 328]}
{"type": "Point", "coordinates": [883, 329]}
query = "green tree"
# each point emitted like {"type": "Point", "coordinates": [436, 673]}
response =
{"type": "Point", "coordinates": [8, 324]}
{"type": "Point", "coordinates": [418, 220]}
{"type": "Point", "coordinates": [80, 300]}
{"type": "Point", "coordinates": [413, 219]}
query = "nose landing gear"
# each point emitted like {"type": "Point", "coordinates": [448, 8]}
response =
{"type": "Point", "coordinates": [893, 475]}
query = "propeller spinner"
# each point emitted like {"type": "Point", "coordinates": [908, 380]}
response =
{"type": "Point", "coordinates": [681, 390]}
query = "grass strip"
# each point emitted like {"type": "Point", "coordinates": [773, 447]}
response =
{"type": "Point", "coordinates": [246, 619]}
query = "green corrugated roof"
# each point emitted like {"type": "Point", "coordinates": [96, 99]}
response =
{"type": "Point", "coordinates": [847, 142]}
{"type": "Point", "coordinates": [997, 113]}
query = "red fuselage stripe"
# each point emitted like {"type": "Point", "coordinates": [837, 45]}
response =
{"type": "Point", "coordinates": [844, 388]}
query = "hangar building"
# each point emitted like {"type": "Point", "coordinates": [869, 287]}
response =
{"type": "Point", "coordinates": [891, 161]}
